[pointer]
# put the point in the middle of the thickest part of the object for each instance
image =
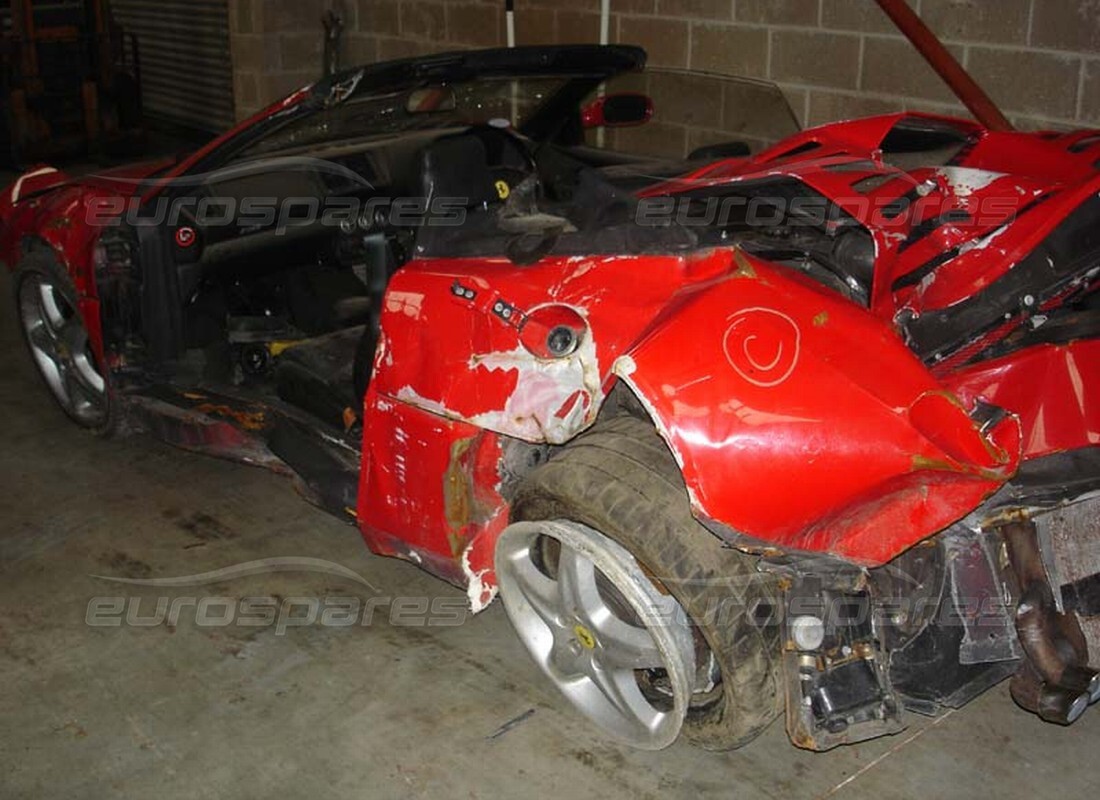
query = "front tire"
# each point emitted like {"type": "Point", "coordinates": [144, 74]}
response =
{"type": "Point", "coordinates": [57, 339]}
{"type": "Point", "coordinates": [621, 480]}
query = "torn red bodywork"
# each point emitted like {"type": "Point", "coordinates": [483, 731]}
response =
{"type": "Point", "coordinates": [759, 380]}
{"type": "Point", "coordinates": [845, 388]}
{"type": "Point", "coordinates": [801, 422]}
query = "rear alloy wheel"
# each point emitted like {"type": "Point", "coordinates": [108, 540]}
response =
{"type": "Point", "coordinates": [58, 341]}
{"type": "Point", "coordinates": [614, 498]}
{"type": "Point", "coordinates": [598, 627]}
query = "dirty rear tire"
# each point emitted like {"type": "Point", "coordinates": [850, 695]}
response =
{"type": "Point", "coordinates": [621, 479]}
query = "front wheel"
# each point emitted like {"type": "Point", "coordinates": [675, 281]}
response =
{"type": "Point", "coordinates": [57, 339]}
{"type": "Point", "coordinates": [611, 507]}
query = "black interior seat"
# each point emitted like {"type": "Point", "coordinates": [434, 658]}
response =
{"type": "Point", "coordinates": [458, 167]}
{"type": "Point", "coordinates": [475, 169]}
{"type": "Point", "coordinates": [323, 299]}
{"type": "Point", "coordinates": [316, 375]}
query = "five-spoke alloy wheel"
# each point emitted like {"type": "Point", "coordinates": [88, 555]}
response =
{"type": "Point", "coordinates": [598, 627]}
{"type": "Point", "coordinates": [58, 341]}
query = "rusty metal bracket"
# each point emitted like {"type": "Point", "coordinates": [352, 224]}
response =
{"type": "Point", "coordinates": [989, 633]}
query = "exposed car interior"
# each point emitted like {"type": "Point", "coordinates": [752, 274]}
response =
{"type": "Point", "coordinates": [282, 298]}
{"type": "Point", "coordinates": [292, 305]}
{"type": "Point", "coordinates": [284, 243]}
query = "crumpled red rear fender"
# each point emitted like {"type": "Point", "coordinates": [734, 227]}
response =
{"type": "Point", "coordinates": [453, 380]}
{"type": "Point", "coordinates": [801, 422]}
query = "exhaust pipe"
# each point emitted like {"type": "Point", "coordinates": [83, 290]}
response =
{"type": "Point", "coordinates": [1084, 679]}
{"type": "Point", "coordinates": [1054, 680]}
{"type": "Point", "coordinates": [1042, 634]}
{"type": "Point", "coordinates": [1053, 703]}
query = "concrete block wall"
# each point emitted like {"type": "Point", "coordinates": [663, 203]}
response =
{"type": "Point", "coordinates": [834, 59]}
{"type": "Point", "coordinates": [278, 45]}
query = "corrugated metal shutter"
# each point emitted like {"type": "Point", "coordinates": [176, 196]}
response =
{"type": "Point", "coordinates": [186, 68]}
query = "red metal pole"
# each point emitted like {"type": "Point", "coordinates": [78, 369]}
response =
{"type": "Point", "coordinates": [946, 65]}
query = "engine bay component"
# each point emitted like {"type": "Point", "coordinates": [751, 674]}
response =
{"type": "Point", "coordinates": [839, 691]}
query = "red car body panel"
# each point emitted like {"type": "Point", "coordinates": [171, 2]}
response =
{"type": "Point", "coordinates": [407, 510]}
{"type": "Point", "coordinates": [51, 208]}
{"type": "Point", "coordinates": [801, 421]}
{"type": "Point", "coordinates": [760, 380]}
{"type": "Point", "coordinates": [448, 420]}
{"type": "Point", "coordinates": [1030, 180]}
{"type": "Point", "coordinates": [796, 388]}
{"type": "Point", "coordinates": [1053, 389]}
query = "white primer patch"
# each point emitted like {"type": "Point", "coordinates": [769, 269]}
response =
{"type": "Point", "coordinates": [478, 594]}
{"type": "Point", "coordinates": [964, 181]}
{"type": "Point", "coordinates": [543, 387]}
{"type": "Point", "coordinates": [407, 394]}
{"type": "Point", "coordinates": [624, 366]}
{"type": "Point", "coordinates": [984, 242]}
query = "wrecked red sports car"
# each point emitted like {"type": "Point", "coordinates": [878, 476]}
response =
{"type": "Point", "coordinates": [809, 424]}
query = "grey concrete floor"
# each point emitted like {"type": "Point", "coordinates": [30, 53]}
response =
{"type": "Point", "coordinates": [368, 711]}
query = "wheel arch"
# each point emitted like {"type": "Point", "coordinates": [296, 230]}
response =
{"type": "Point", "coordinates": [477, 557]}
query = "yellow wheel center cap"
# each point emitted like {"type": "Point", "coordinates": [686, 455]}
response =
{"type": "Point", "coordinates": [584, 636]}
